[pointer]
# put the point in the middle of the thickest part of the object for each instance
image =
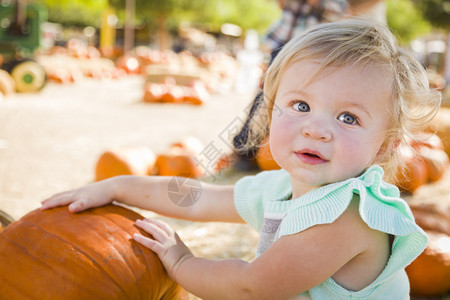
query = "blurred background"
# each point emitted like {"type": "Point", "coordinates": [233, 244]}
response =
{"type": "Point", "coordinates": [91, 89]}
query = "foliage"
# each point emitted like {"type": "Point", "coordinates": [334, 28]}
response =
{"type": "Point", "coordinates": [74, 12]}
{"type": "Point", "coordinates": [249, 14]}
{"type": "Point", "coordinates": [211, 14]}
{"type": "Point", "coordinates": [437, 12]}
{"type": "Point", "coordinates": [405, 20]}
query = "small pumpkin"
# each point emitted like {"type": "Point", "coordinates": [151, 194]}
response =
{"type": "Point", "coordinates": [129, 64]}
{"type": "Point", "coordinates": [429, 274]}
{"type": "Point", "coordinates": [414, 174]}
{"type": "Point", "coordinates": [54, 254]}
{"type": "Point", "coordinates": [169, 92]}
{"type": "Point", "coordinates": [153, 92]}
{"type": "Point", "coordinates": [436, 162]}
{"type": "Point", "coordinates": [7, 83]}
{"type": "Point", "coordinates": [264, 157]}
{"type": "Point", "coordinates": [178, 162]}
{"type": "Point", "coordinates": [125, 161]}
{"type": "Point", "coordinates": [427, 163]}
{"type": "Point", "coordinates": [441, 125]}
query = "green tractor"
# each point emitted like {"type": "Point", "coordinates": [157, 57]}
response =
{"type": "Point", "coordinates": [20, 36]}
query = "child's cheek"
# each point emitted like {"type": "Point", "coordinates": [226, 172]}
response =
{"type": "Point", "coordinates": [282, 135]}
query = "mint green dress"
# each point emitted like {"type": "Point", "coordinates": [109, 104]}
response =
{"type": "Point", "coordinates": [261, 201]}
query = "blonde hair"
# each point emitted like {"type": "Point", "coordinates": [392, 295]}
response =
{"type": "Point", "coordinates": [358, 43]}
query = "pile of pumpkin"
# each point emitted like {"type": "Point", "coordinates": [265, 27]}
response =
{"type": "Point", "coordinates": [181, 159]}
{"type": "Point", "coordinates": [169, 91]}
{"type": "Point", "coordinates": [75, 61]}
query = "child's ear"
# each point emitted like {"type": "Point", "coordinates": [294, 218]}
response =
{"type": "Point", "coordinates": [395, 144]}
{"type": "Point", "coordinates": [389, 147]}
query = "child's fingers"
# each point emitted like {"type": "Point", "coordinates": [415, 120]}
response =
{"type": "Point", "coordinates": [163, 225]}
{"type": "Point", "coordinates": [158, 233]}
{"type": "Point", "coordinates": [79, 205]}
{"type": "Point", "coordinates": [60, 199]}
{"type": "Point", "coordinates": [149, 243]}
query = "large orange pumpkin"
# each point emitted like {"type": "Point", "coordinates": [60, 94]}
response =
{"type": "Point", "coordinates": [54, 254]}
{"type": "Point", "coordinates": [125, 161]}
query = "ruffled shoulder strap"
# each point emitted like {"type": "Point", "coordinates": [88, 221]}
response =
{"type": "Point", "coordinates": [380, 207]}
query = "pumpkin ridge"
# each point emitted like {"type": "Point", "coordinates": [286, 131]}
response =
{"type": "Point", "coordinates": [86, 222]}
{"type": "Point", "coordinates": [112, 216]}
{"type": "Point", "coordinates": [118, 212]}
{"type": "Point", "coordinates": [5, 279]}
{"type": "Point", "coordinates": [134, 216]}
{"type": "Point", "coordinates": [20, 246]}
{"type": "Point", "coordinates": [81, 252]}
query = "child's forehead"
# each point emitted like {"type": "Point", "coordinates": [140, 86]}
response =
{"type": "Point", "coordinates": [312, 69]}
{"type": "Point", "coordinates": [339, 84]}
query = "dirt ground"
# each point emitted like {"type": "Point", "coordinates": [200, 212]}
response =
{"type": "Point", "coordinates": [50, 142]}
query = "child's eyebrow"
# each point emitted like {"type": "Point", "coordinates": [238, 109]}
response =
{"type": "Point", "coordinates": [300, 93]}
{"type": "Point", "coordinates": [357, 106]}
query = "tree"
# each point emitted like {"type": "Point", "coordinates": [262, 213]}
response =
{"type": "Point", "coordinates": [74, 12]}
{"type": "Point", "coordinates": [437, 12]}
{"type": "Point", "coordinates": [168, 14]}
{"type": "Point", "coordinates": [405, 20]}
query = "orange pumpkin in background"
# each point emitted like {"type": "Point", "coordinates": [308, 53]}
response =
{"type": "Point", "coordinates": [125, 161]}
{"type": "Point", "coordinates": [426, 161]}
{"type": "Point", "coordinates": [441, 125]}
{"type": "Point", "coordinates": [264, 158]}
{"type": "Point", "coordinates": [414, 174]}
{"type": "Point", "coordinates": [429, 274]}
{"type": "Point", "coordinates": [182, 159]}
{"type": "Point", "coordinates": [178, 162]}
{"type": "Point", "coordinates": [191, 144]}
{"type": "Point", "coordinates": [54, 254]}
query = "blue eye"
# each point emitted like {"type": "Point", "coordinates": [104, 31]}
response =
{"type": "Point", "coordinates": [301, 106]}
{"type": "Point", "coordinates": [348, 118]}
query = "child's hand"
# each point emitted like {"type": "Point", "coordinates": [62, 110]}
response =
{"type": "Point", "coordinates": [166, 244]}
{"type": "Point", "coordinates": [92, 195]}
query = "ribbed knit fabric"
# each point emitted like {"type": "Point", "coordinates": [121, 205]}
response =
{"type": "Point", "coordinates": [380, 208]}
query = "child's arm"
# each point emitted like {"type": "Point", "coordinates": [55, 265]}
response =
{"type": "Point", "coordinates": [293, 264]}
{"type": "Point", "coordinates": [210, 202]}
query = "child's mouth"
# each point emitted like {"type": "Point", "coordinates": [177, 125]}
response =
{"type": "Point", "coordinates": [311, 157]}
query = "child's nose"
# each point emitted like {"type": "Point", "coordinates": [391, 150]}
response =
{"type": "Point", "coordinates": [317, 131]}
